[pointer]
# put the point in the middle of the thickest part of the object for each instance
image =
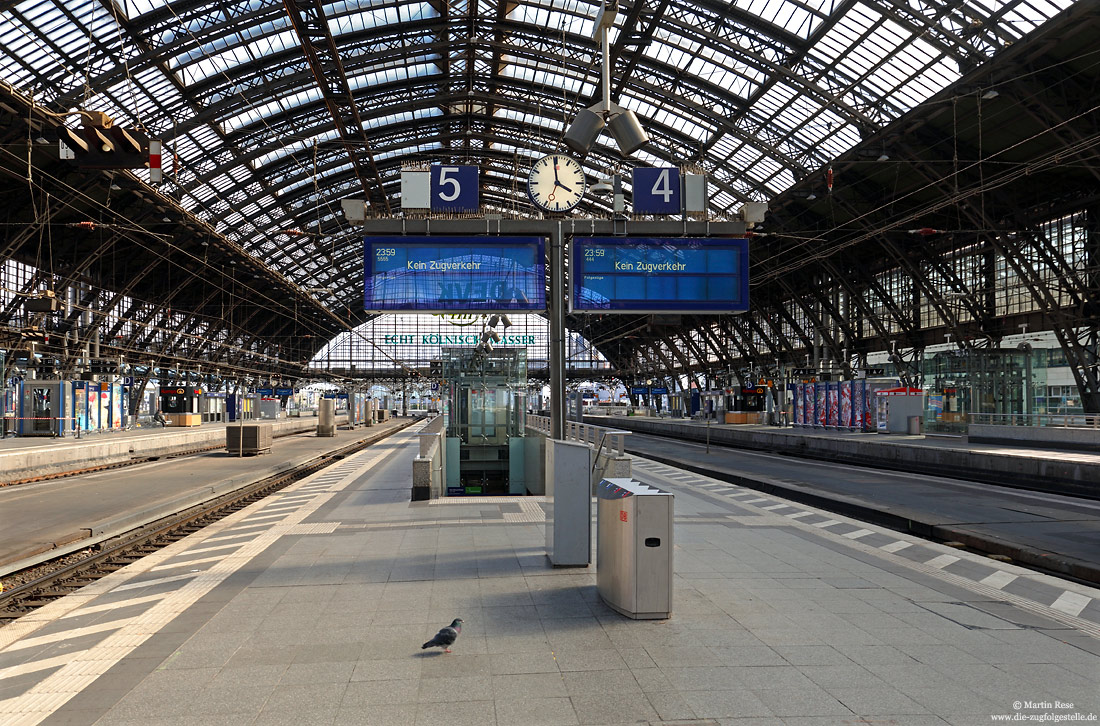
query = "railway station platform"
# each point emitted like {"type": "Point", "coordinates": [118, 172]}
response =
{"type": "Point", "coordinates": [310, 607]}
{"type": "Point", "coordinates": [27, 457]}
{"type": "Point", "coordinates": [45, 519]}
{"type": "Point", "coordinates": [1068, 471]}
{"type": "Point", "coordinates": [1037, 519]}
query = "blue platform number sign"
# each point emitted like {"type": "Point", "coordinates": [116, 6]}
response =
{"type": "Point", "coordinates": [454, 188]}
{"type": "Point", "coordinates": [656, 190]}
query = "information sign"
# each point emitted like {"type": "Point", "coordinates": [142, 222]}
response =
{"type": "Point", "coordinates": [448, 274]}
{"type": "Point", "coordinates": [660, 275]}
{"type": "Point", "coordinates": [265, 391]}
{"type": "Point", "coordinates": [639, 390]}
{"type": "Point", "coordinates": [662, 391]}
{"type": "Point", "coordinates": [454, 188]}
{"type": "Point", "coordinates": [656, 190]}
{"type": "Point", "coordinates": [284, 391]}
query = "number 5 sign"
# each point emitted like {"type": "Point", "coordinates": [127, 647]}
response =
{"type": "Point", "coordinates": [656, 190]}
{"type": "Point", "coordinates": [454, 188]}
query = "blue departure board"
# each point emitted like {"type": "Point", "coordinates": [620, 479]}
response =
{"type": "Point", "coordinates": [448, 274]}
{"type": "Point", "coordinates": [660, 275]}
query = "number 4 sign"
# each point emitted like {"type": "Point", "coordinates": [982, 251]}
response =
{"type": "Point", "coordinates": [454, 188]}
{"type": "Point", "coordinates": [656, 190]}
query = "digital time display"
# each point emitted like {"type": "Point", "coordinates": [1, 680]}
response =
{"type": "Point", "coordinates": [660, 275]}
{"type": "Point", "coordinates": [448, 274]}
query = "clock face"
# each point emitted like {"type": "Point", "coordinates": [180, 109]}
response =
{"type": "Point", "coordinates": [556, 183]}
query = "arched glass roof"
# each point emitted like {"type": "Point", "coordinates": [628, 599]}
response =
{"type": "Point", "coordinates": [273, 112]}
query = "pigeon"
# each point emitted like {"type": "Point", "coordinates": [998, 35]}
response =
{"type": "Point", "coordinates": [446, 637]}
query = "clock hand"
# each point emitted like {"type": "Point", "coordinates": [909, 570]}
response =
{"type": "Point", "coordinates": [559, 184]}
{"type": "Point", "coordinates": [556, 170]}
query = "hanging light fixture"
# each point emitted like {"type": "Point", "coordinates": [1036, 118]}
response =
{"type": "Point", "coordinates": [623, 123]}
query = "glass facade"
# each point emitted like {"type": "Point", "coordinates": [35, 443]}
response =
{"type": "Point", "coordinates": [1004, 385]}
{"type": "Point", "coordinates": [383, 345]}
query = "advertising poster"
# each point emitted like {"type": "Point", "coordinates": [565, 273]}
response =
{"type": "Point", "coordinates": [819, 404]}
{"type": "Point", "coordinates": [834, 413]}
{"type": "Point", "coordinates": [799, 405]}
{"type": "Point", "coordinates": [808, 404]}
{"type": "Point", "coordinates": [845, 404]}
{"type": "Point", "coordinates": [935, 407]}
{"type": "Point", "coordinates": [93, 407]}
{"type": "Point", "coordinates": [105, 408]}
{"type": "Point", "coordinates": [857, 405]}
{"type": "Point", "coordinates": [80, 401]}
{"type": "Point", "coordinates": [116, 406]}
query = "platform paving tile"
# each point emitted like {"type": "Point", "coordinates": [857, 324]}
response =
{"type": "Point", "coordinates": [613, 707]}
{"type": "Point", "coordinates": [396, 715]}
{"type": "Point", "coordinates": [733, 703]}
{"type": "Point", "coordinates": [531, 712]}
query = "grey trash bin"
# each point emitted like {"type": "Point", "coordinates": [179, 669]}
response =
{"type": "Point", "coordinates": [914, 425]}
{"type": "Point", "coordinates": [326, 417]}
{"type": "Point", "coordinates": [634, 548]}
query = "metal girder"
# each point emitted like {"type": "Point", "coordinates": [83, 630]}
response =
{"type": "Point", "coordinates": [311, 26]}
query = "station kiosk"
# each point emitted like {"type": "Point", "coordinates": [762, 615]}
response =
{"type": "Point", "coordinates": [895, 406]}
{"type": "Point", "coordinates": [181, 405]}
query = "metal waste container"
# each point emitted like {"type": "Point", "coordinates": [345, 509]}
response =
{"type": "Point", "coordinates": [914, 425]}
{"type": "Point", "coordinates": [326, 417]}
{"type": "Point", "coordinates": [634, 548]}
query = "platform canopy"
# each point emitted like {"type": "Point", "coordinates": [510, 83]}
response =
{"type": "Point", "coordinates": [271, 113]}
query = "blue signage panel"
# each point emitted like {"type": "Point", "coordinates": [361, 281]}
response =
{"type": "Point", "coordinates": [656, 190]}
{"type": "Point", "coordinates": [284, 391]}
{"type": "Point", "coordinates": [659, 391]}
{"type": "Point", "coordinates": [453, 274]}
{"type": "Point", "coordinates": [660, 275]}
{"type": "Point", "coordinates": [639, 390]}
{"type": "Point", "coordinates": [454, 188]}
{"type": "Point", "coordinates": [265, 391]}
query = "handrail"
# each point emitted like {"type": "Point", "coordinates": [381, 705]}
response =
{"type": "Point", "coordinates": [594, 436]}
{"type": "Point", "coordinates": [1038, 420]}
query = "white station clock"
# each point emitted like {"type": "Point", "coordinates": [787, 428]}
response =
{"type": "Point", "coordinates": [556, 183]}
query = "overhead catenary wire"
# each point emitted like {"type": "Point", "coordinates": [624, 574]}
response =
{"type": "Point", "coordinates": [167, 243]}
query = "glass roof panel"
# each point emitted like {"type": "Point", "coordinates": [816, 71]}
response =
{"type": "Point", "coordinates": [788, 105]}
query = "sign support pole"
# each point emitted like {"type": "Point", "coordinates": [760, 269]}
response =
{"type": "Point", "coordinates": [556, 303]}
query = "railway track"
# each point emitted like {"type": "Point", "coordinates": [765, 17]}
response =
{"type": "Point", "coordinates": [30, 589]}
